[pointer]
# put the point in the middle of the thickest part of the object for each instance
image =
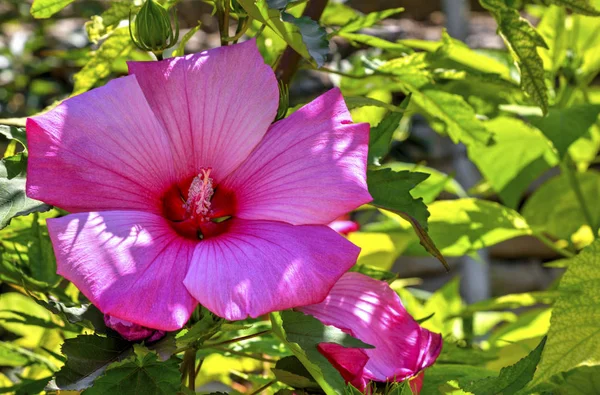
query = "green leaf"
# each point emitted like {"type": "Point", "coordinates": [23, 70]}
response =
{"type": "Point", "coordinates": [99, 65]}
{"type": "Point", "coordinates": [463, 226]}
{"type": "Point", "coordinates": [201, 331]}
{"type": "Point", "coordinates": [553, 30]}
{"type": "Point", "coordinates": [522, 40]}
{"type": "Point", "coordinates": [313, 36]}
{"type": "Point", "coordinates": [451, 114]}
{"type": "Point", "coordinates": [87, 357]}
{"type": "Point", "coordinates": [554, 209]}
{"type": "Point", "coordinates": [456, 51]}
{"type": "Point", "coordinates": [278, 4]}
{"type": "Point", "coordinates": [14, 133]}
{"type": "Point", "coordinates": [565, 125]}
{"type": "Point", "coordinates": [511, 301]}
{"type": "Point", "coordinates": [391, 191]}
{"type": "Point", "coordinates": [443, 379]}
{"type": "Point", "coordinates": [354, 102]}
{"type": "Point", "coordinates": [511, 378]}
{"type": "Point", "coordinates": [101, 25]}
{"type": "Point", "coordinates": [180, 51]}
{"type": "Point", "coordinates": [582, 7]}
{"type": "Point", "coordinates": [299, 34]}
{"type": "Point", "coordinates": [143, 373]}
{"type": "Point", "coordinates": [574, 333]}
{"type": "Point", "coordinates": [373, 41]}
{"type": "Point", "coordinates": [290, 371]}
{"type": "Point", "coordinates": [518, 157]}
{"type": "Point", "coordinates": [47, 8]}
{"type": "Point", "coordinates": [463, 355]}
{"type": "Point", "coordinates": [301, 334]}
{"type": "Point", "coordinates": [381, 135]}
{"type": "Point", "coordinates": [13, 200]}
{"type": "Point", "coordinates": [581, 381]}
{"type": "Point", "coordinates": [86, 315]}
{"type": "Point", "coordinates": [11, 357]}
{"type": "Point", "coordinates": [27, 387]}
{"type": "Point", "coordinates": [338, 14]}
{"type": "Point", "coordinates": [369, 20]}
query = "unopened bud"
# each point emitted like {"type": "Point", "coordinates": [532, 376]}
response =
{"type": "Point", "coordinates": [151, 29]}
{"type": "Point", "coordinates": [132, 332]}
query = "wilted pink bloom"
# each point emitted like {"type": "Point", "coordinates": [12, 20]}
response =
{"type": "Point", "coordinates": [183, 192]}
{"type": "Point", "coordinates": [371, 311]}
{"type": "Point", "coordinates": [132, 332]}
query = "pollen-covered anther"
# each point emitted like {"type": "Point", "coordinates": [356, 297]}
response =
{"type": "Point", "coordinates": [200, 194]}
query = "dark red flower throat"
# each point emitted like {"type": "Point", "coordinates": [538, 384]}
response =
{"type": "Point", "coordinates": [197, 208]}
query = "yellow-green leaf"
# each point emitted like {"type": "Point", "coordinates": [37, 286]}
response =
{"type": "Point", "coordinates": [47, 8]}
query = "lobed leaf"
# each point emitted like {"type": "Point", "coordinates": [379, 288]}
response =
{"type": "Point", "coordinates": [573, 339]}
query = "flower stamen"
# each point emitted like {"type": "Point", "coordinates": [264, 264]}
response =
{"type": "Point", "coordinates": [201, 191]}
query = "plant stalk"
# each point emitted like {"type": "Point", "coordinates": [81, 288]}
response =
{"type": "Point", "coordinates": [569, 172]}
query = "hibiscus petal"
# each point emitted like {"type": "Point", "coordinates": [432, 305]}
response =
{"type": "Point", "coordinates": [350, 362]}
{"type": "Point", "coordinates": [128, 263]}
{"type": "Point", "coordinates": [309, 169]}
{"type": "Point", "coordinates": [101, 150]}
{"type": "Point", "coordinates": [217, 105]}
{"type": "Point", "coordinates": [371, 311]}
{"type": "Point", "coordinates": [257, 267]}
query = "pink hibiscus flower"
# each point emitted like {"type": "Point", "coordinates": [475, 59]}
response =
{"type": "Point", "coordinates": [181, 191]}
{"type": "Point", "coordinates": [371, 311]}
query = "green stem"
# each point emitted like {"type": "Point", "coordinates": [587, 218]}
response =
{"type": "Point", "coordinates": [237, 339]}
{"type": "Point", "coordinates": [225, 31]}
{"type": "Point", "coordinates": [569, 172]}
{"type": "Point", "coordinates": [245, 355]}
{"type": "Point", "coordinates": [188, 368]}
{"type": "Point", "coordinates": [264, 387]}
{"type": "Point", "coordinates": [242, 27]}
{"type": "Point", "coordinates": [552, 246]}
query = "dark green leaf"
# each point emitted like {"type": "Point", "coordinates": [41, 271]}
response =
{"type": "Point", "coordinates": [381, 135]}
{"type": "Point", "coordinates": [313, 35]}
{"type": "Point", "coordinates": [47, 8]}
{"type": "Point", "coordinates": [15, 165]}
{"type": "Point", "coordinates": [511, 378]}
{"type": "Point", "coordinates": [373, 41]}
{"type": "Point", "coordinates": [290, 371]}
{"type": "Point", "coordinates": [441, 379]}
{"type": "Point", "coordinates": [564, 126]}
{"type": "Point", "coordinates": [13, 201]}
{"type": "Point", "coordinates": [14, 133]}
{"type": "Point", "coordinates": [86, 315]}
{"type": "Point", "coordinates": [140, 374]}
{"type": "Point", "coordinates": [87, 357]}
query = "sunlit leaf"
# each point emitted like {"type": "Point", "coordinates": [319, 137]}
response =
{"type": "Point", "coordinates": [519, 155]}
{"type": "Point", "coordinates": [99, 65]}
{"type": "Point", "coordinates": [522, 40]}
{"type": "Point", "coordinates": [180, 51]}
{"type": "Point", "coordinates": [374, 41]}
{"type": "Point", "coordinates": [511, 378]}
{"type": "Point", "coordinates": [573, 336]}
{"type": "Point", "coordinates": [47, 8]}
{"type": "Point", "coordinates": [369, 20]}
{"type": "Point", "coordinates": [101, 25]}
{"type": "Point", "coordinates": [304, 35]}
{"type": "Point", "coordinates": [554, 208]}
{"type": "Point", "coordinates": [583, 7]}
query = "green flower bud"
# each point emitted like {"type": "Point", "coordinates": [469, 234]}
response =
{"type": "Point", "coordinates": [284, 101]}
{"type": "Point", "coordinates": [151, 29]}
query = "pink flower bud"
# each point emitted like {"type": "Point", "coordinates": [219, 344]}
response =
{"type": "Point", "coordinates": [132, 332]}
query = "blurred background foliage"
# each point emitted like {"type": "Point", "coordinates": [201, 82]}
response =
{"type": "Point", "coordinates": [505, 125]}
